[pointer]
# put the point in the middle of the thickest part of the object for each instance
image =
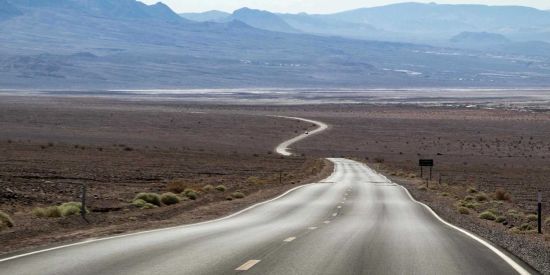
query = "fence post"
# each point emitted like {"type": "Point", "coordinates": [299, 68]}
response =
{"type": "Point", "coordinates": [539, 211]}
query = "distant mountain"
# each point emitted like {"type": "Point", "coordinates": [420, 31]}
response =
{"type": "Point", "coordinates": [115, 9]}
{"type": "Point", "coordinates": [480, 38]}
{"type": "Point", "coordinates": [436, 22]}
{"type": "Point", "coordinates": [125, 44]}
{"type": "Point", "coordinates": [209, 16]}
{"type": "Point", "coordinates": [262, 20]}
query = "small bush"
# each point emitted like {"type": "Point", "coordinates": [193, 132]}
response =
{"type": "Point", "coordinates": [229, 198]}
{"type": "Point", "coordinates": [47, 212]}
{"type": "Point", "coordinates": [191, 195]}
{"type": "Point", "coordinates": [221, 188]}
{"type": "Point", "coordinates": [471, 205]}
{"type": "Point", "coordinates": [70, 208]}
{"type": "Point", "coordinates": [487, 215]}
{"type": "Point", "coordinates": [471, 190]}
{"type": "Point", "coordinates": [151, 198]}
{"type": "Point", "coordinates": [532, 217]}
{"type": "Point", "coordinates": [176, 186]}
{"type": "Point", "coordinates": [379, 160]}
{"type": "Point", "coordinates": [502, 195]}
{"type": "Point", "coordinates": [525, 227]}
{"type": "Point", "coordinates": [463, 210]}
{"type": "Point", "coordinates": [237, 195]}
{"type": "Point", "coordinates": [169, 198]}
{"type": "Point", "coordinates": [482, 197]}
{"type": "Point", "coordinates": [422, 188]}
{"type": "Point", "coordinates": [208, 188]}
{"type": "Point", "coordinates": [5, 221]}
{"type": "Point", "coordinates": [139, 203]}
{"type": "Point", "coordinates": [469, 198]}
{"type": "Point", "coordinates": [500, 219]}
{"type": "Point", "coordinates": [445, 194]}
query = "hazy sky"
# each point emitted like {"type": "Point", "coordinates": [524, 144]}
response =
{"type": "Point", "coordinates": [318, 6]}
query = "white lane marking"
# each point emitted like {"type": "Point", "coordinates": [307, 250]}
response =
{"type": "Point", "coordinates": [339, 207]}
{"type": "Point", "coordinates": [313, 228]}
{"type": "Point", "coordinates": [248, 265]}
{"type": "Point", "coordinates": [334, 214]}
{"type": "Point", "coordinates": [155, 230]}
{"type": "Point", "coordinates": [289, 239]}
{"type": "Point", "coordinates": [497, 251]}
{"type": "Point", "coordinates": [326, 222]}
{"type": "Point", "coordinates": [282, 149]}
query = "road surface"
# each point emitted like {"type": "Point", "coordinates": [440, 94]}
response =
{"type": "Point", "coordinates": [354, 222]}
{"type": "Point", "coordinates": [283, 148]}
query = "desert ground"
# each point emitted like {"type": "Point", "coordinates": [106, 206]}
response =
{"type": "Point", "coordinates": [486, 160]}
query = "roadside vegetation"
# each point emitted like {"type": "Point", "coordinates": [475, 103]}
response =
{"type": "Point", "coordinates": [5, 221]}
{"type": "Point", "coordinates": [64, 210]}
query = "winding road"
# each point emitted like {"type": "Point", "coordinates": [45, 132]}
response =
{"type": "Point", "coordinates": [354, 222]}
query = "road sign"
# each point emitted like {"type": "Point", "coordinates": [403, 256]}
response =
{"type": "Point", "coordinates": [426, 162]}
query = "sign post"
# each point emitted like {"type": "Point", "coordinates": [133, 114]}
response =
{"type": "Point", "coordinates": [425, 163]}
{"type": "Point", "coordinates": [539, 211]}
{"type": "Point", "coordinates": [83, 202]}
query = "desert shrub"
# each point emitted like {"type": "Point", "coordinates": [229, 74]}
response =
{"type": "Point", "coordinates": [221, 188]}
{"type": "Point", "coordinates": [471, 205]}
{"type": "Point", "coordinates": [463, 210]}
{"type": "Point", "coordinates": [143, 204]}
{"type": "Point", "coordinates": [237, 195]}
{"type": "Point", "coordinates": [422, 188]}
{"type": "Point", "coordinates": [70, 208]}
{"type": "Point", "coordinates": [500, 219]}
{"type": "Point", "coordinates": [469, 198]}
{"type": "Point", "coordinates": [379, 160]}
{"type": "Point", "coordinates": [255, 180]}
{"type": "Point", "coordinates": [445, 194]}
{"type": "Point", "coordinates": [208, 188]}
{"type": "Point", "coordinates": [481, 197]}
{"type": "Point", "coordinates": [229, 198]}
{"type": "Point", "coordinates": [139, 203]}
{"type": "Point", "coordinates": [502, 195]}
{"type": "Point", "coordinates": [151, 198]}
{"type": "Point", "coordinates": [47, 212]}
{"type": "Point", "coordinates": [532, 217]}
{"type": "Point", "coordinates": [471, 190]}
{"type": "Point", "coordinates": [525, 227]}
{"type": "Point", "coordinates": [487, 215]}
{"type": "Point", "coordinates": [5, 221]}
{"type": "Point", "coordinates": [176, 186]}
{"type": "Point", "coordinates": [169, 198]}
{"type": "Point", "coordinates": [191, 195]}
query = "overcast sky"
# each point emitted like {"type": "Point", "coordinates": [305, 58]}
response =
{"type": "Point", "coordinates": [318, 6]}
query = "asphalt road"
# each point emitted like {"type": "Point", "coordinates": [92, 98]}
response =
{"type": "Point", "coordinates": [354, 222]}
{"type": "Point", "coordinates": [283, 148]}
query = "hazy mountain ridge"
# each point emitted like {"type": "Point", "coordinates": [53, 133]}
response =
{"type": "Point", "coordinates": [62, 45]}
{"type": "Point", "coordinates": [426, 23]}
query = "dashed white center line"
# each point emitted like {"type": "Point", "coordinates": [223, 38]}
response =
{"type": "Point", "coordinates": [248, 265]}
{"type": "Point", "coordinates": [289, 239]}
{"type": "Point", "coordinates": [334, 214]}
{"type": "Point", "coordinates": [313, 228]}
{"type": "Point", "coordinates": [326, 222]}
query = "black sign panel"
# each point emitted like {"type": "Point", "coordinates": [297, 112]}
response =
{"type": "Point", "coordinates": [426, 162]}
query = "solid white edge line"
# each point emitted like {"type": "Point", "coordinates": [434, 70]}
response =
{"type": "Point", "coordinates": [495, 250]}
{"type": "Point", "coordinates": [156, 230]}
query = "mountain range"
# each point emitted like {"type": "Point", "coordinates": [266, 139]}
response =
{"type": "Point", "coordinates": [432, 24]}
{"type": "Point", "coordinates": [125, 44]}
